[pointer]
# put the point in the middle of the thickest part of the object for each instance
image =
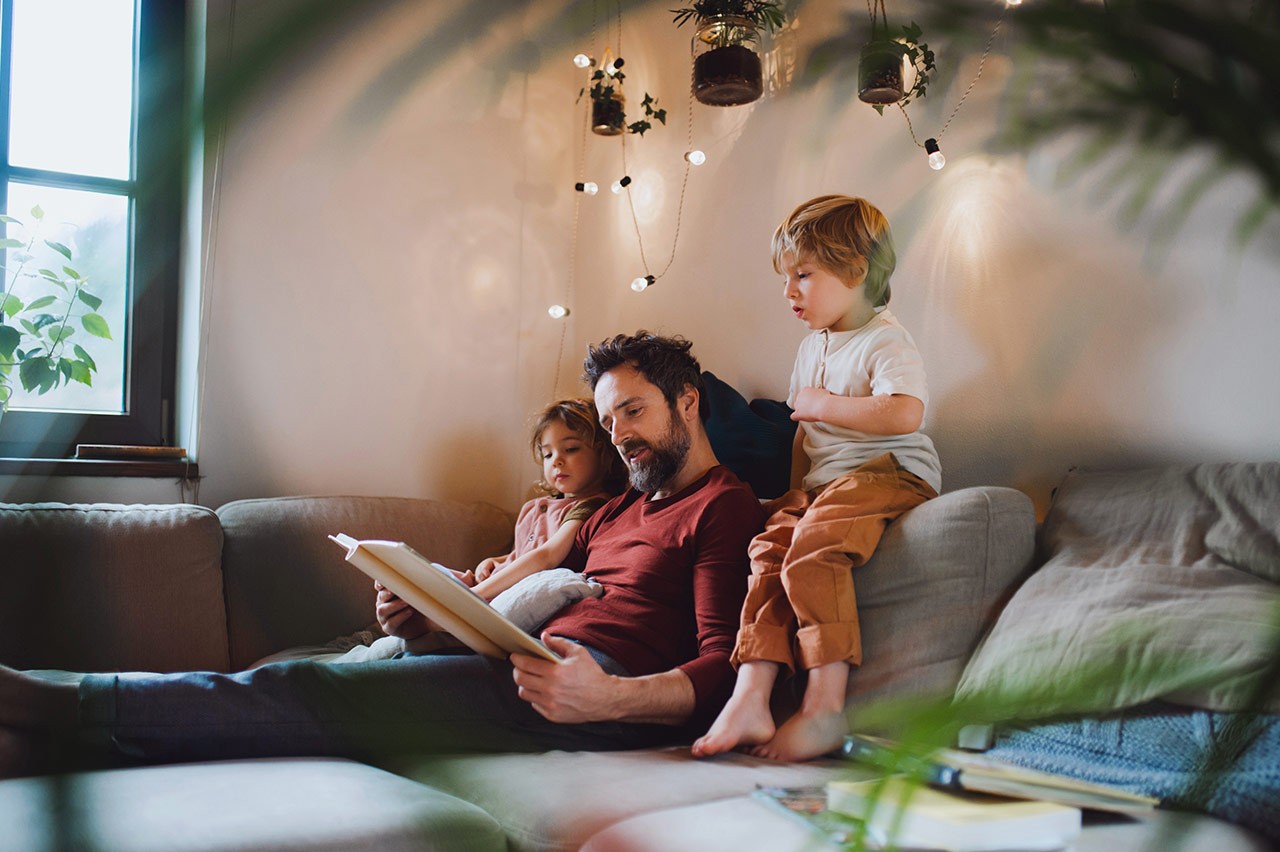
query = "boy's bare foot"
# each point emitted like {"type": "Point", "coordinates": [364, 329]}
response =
{"type": "Point", "coordinates": [747, 719]}
{"type": "Point", "coordinates": [744, 721]}
{"type": "Point", "coordinates": [805, 736]}
{"type": "Point", "coordinates": [820, 725]}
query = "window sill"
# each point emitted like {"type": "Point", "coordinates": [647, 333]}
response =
{"type": "Point", "coordinates": [167, 469]}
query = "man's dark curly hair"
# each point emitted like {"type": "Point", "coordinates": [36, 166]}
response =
{"type": "Point", "coordinates": [664, 361]}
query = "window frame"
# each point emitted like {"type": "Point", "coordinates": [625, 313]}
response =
{"type": "Point", "coordinates": [155, 192]}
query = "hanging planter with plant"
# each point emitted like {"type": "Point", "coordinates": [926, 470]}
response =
{"type": "Point", "coordinates": [726, 61]}
{"type": "Point", "coordinates": [884, 58]}
{"type": "Point", "coordinates": [609, 105]}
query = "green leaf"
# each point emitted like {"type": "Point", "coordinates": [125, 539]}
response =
{"type": "Point", "coordinates": [30, 327]}
{"type": "Point", "coordinates": [65, 332]}
{"type": "Point", "coordinates": [80, 373]}
{"type": "Point", "coordinates": [37, 212]}
{"type": "Point", "coordinates": [71, 272]}
{"type": "Point", "coordinates": [37, 373]}
{"type": "Point", "coordinates": [10, 220]}
{"type": "Point", "coordinates": [11, 305]}
{"type": "Point", "coordinates": [59, 248]}
{"type": "Point", "coordinates": [42, 302]}
{"type": "Point", "coordinates": [10, 337]}
{"type": "Point", "coordinates": [84, 356]}
{"type": "Point", "coordinates": [48, 273]}
{"type": "Point", "coordinates": [64, 367]}
{"type": "Point", "coordinates": [89, 299]}
{"type": "Point", "coordinates": [96, 325]}
{"type": "Point", "coordinates": [10, 242]}
{"type": "Point", "coordinates": [42, 320]}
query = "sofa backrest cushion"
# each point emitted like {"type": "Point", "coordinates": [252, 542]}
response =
{"type": "Point", "coordinates": [287, 584]}
{"type": "Point", "coordinates": [103, 587]}
{"type": "Point", "coordinates": [933, 587]}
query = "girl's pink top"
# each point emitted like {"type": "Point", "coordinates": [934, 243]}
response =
{"type": "Point", "coordinates": [542, 516]}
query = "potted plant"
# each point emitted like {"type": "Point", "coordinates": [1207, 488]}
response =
{"type": "Point", "coordinates": [608, 104]}
{"type": "Point", "coordinates": [40, 312]}
{"type": "Point", "coordinates": [726, 61]}
{"type": "Point", "coordinates": [882, 60]}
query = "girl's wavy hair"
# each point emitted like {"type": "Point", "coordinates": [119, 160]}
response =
{"type": "Point", "coordinates": [842, 234]}
{"type": "Point", "coordinates": [579, 417]}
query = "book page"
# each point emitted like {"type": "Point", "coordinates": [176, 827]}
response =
{"type": "Point", "coordinates": [442, 597]}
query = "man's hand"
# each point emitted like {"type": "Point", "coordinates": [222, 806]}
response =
{"type": "Point", "coordinates": [809, 404]}
{"type": "Point", "coordinates": [397, 618]}
{"type": "Point", "coordinates": [576, 690]}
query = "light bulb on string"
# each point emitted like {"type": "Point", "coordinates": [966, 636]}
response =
{"type": "Point", "coordinates": [558, 311]}
{"type": "Point", "coordinates": [643, 283]}
{"type": "Point", "coordinates": [621, 184]}
{"type": "Point", "coordinates": [695, 157]}
{"type": "Point", "coordinates": [583, 61]}
{"type": "Point", "coordinates": [936, 159]}
{"type": "Point", "coordinates": [1013, 2]}
{"type": "Point", "coordinates": [614, 67]}
{"type": "Point", "coordinates": [588, 187]}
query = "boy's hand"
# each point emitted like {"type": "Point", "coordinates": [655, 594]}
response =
{"type": "Point", "coordinates": [810, 404]}
{"type": "Point", "coordinates": [575, 690]}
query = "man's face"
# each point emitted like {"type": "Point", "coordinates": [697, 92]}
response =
{"type": "Point", "coordinates": [652, 440]}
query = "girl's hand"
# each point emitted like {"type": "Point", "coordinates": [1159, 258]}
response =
{"type": "Point", "coordinates": [486, 568]}
{"type": "Point", "coordinates": [809, 404]}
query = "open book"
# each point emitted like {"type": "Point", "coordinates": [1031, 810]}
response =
{"type": "Point", "coordinates": [959, 770]}
{"type": "Point", "coordinates": [438, 594]}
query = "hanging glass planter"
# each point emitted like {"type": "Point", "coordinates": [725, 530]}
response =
{"type": "Point", "coordinates": [726, 61]}
{"type": "Point", "coordinates": [880, 72]}
{"type": "Point", "coordinates": [608, 111]}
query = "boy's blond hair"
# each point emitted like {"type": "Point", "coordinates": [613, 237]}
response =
{"type": "Point", "coordinates": [843, 235]}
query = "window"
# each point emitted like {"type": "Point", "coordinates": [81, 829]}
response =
{"type": "Point", "coordinates": [92, 161]}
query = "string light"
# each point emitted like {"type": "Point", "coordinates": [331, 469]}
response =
{"type": "Point", "coordinates": [695, 157]}
{"type": "Point", "coordinates": [589, 187]}
{"type": "Point", "coordinates": [583, 61]}
{"type": "Point", "coordinates": [643, 283]}
{"type": "Point", "coordinates": [558, 311]}
{"type": "Point", "coordinates": [621, 184]}
{"type": "Point", "coordinates": [936, 159]}
{"type": "Point", "coordinates": [1013, 2]}
{"type": "Point", "coordinates": [614, 67]}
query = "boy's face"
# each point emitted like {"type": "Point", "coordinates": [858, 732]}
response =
{"type": "Point", "coordinates": [821, 299]}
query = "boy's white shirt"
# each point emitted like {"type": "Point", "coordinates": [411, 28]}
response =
{"type": "Point", "coordinates": [878, 358]}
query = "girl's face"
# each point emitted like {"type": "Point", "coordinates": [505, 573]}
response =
{"type": "Point", "coordinates": [569, 464]}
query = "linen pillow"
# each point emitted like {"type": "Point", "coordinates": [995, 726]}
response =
{"type": "Point", "coordinates": [1132, 604]}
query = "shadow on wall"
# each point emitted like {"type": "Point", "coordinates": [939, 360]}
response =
{"type": "Point", "coordinates": [1039, 334]}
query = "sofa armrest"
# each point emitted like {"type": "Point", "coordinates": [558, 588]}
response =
{"type": "Point", "coordinates": [288, 585]}
{"type": "Point", "coordinates": [933, 587]}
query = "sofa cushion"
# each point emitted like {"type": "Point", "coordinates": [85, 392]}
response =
{"type": "Point", "coordinates": [305, 805]}
{"type": "Point", "coordinates": [1136, 600]}
{"type": "Point", "coordinates": [555, 801]}
{"type": "Point", "coordinates": [930, 591]}
{"type": "Point", "coordinates": [288, 585]}
{"type": "Point", "coordinates": [102, 587]}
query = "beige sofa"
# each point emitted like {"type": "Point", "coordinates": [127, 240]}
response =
{"type": "Point", "coordinates": [169, 588]}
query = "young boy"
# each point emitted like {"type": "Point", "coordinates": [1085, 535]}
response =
{"type": "Point", "coordinates": [858, 390]}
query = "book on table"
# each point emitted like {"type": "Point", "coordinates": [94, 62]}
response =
{"type": "Point", "coordinates": [959, 770]}
{"type": "Point", "coordinates": [908, 814]}
{"type": "Point", "coordinates": [435, 592]}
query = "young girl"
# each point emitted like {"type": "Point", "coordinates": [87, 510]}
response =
{"type": "Point", "coordinates": [580, 472]}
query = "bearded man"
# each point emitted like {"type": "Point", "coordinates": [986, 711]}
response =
{"type": "Point", "coordinates": [645, 663]}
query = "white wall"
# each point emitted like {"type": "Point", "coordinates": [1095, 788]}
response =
{"type": "Point", "coordinates": [386, 244]}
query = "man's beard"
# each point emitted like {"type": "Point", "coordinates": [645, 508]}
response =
{"type": "Point", "coordinates": [664, 460]}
